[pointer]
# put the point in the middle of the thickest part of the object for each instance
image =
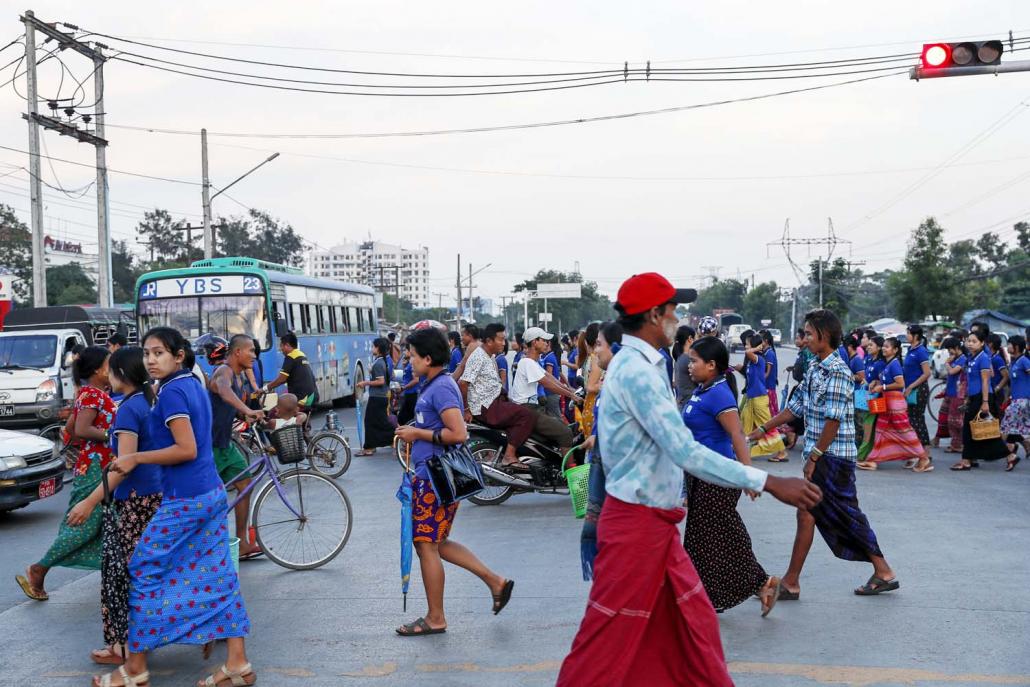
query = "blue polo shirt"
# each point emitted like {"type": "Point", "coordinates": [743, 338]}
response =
{"type": "Point", "coordinates": [873, 368]}
{"type": "Point", "coordinates": [756, 378]}
{"type": "Point", "coordinates": [857, 365]}
{"type": "Point", "coordinates": [951, 386]}
{"type": "Point", "coordinates": [843, 352]}
{"type": "Point", "coordinates": [182, 395]}
{"type": "Point", "coordinates": [133, 417]}
{"type": "Point", "coordinates": [890, 372]}
{"type": "Point", "coordinates": [502, 366]}
{"type": "Point", "coordinates": [773, 377]}
{"type": "Point", "coordinates": [977, 364]}
{"type": "Point", "coordinates": [407, 376]}
{"type": "Point", "coordinates": [456, 356]}
{"type": "Point", "coordinates": [701, 416]}
{"type": "Point", "coordinates": [997, 364]}
{"type": "Point", "coordinates": [913, 368]}
{"type": "Point", "coordinates": [552, 360]}
{"type": "Point", "coordinates": [438, 394]}
{"type": "Point", "coordinates": [573, 374]}
{"type": "Point", "coordinates": [1020, 377]}
{"type": "Point", "coordinates": [670, 365]}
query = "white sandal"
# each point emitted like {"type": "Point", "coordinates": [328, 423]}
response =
{"type": "Point", "coordinates": [232, 677]}
{"type": "Point", "coordinates": [141, 680]}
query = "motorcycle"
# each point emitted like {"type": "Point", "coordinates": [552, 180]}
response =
{"type": "Point", "coordinates": [544, 463]}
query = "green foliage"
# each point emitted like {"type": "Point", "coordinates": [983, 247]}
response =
{"type": "Point", "coordinates": [69, 285]}
{"type": "Point", "coordinates": [125, 269]}
{"type": "Point", "coordinates": [723, 294]}
{"type": "Point", "coordinates": [762, 303]}
{"type": "Point", "coordinates": [567, 313]}
{"type": "Point", "coordinates": [261, 236]}
{"type": "Point", "coordinates": [16, 252]}
{"type": "Point", "coordinates": [161, 236]}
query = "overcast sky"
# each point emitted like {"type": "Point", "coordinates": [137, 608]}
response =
{"type": "Point", "coordinates": [739, 171]}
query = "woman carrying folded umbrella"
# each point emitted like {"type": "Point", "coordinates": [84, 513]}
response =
{"type": "Point", "coordinates": [439, 423]}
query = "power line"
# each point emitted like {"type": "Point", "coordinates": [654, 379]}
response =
{"type": "Point", "coordinates": [115, 171]}
{"type": "Point", "coordinates": [534, 125]}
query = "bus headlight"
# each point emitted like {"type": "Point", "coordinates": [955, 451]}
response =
{"type": "Point", "coordinates": [47, 391]}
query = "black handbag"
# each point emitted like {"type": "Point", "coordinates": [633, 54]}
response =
{"type": "Point", "coordinates": [455, 475]}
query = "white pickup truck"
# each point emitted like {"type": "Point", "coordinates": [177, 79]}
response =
{"type": "Point", "coordinates": [35, 376]}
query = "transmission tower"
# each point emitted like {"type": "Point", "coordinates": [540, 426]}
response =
{"type": "Point", "coordinates": [831, 241]}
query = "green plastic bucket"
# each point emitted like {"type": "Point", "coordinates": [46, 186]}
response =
{"type": "Point", "coordinates": [578, 479]}
{"type": "Point", "coordinates": [234, 551]}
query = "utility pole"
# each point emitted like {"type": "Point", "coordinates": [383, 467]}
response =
{"type": "Point", "coordinates": [820, 282]}
{"type": "Point", "coordinates": [35, 185]}
{"type": "Point", "coordinates": [65, 41]}
{"type": "Point", "coordinates": [786, 242]}
{"type": "Point", "coordinates": [188, 228]}
{"type": "Point", "coordinates": [205, 197]}
{"type": "Point", "coordinates": [793, 312]}
{"type": "Point", "coordinates": [504, 308]}
{"type": "Point", "coordinates": [458, 284]}
{"type": "Point", "coordinates": [105, 282]}
{"type": "Point", "coordinates": [472, 308]}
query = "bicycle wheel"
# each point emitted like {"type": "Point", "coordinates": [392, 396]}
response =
{"type": "Point", "coordinates": [933, 405]}
{"type": "Point", "coordinates": [329, 453]}
{"type": "Point", "coordinates": [68, 452]}
{"type": "Point", "coordinates": [311, 539]}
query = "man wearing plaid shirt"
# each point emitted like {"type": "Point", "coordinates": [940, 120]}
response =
{"type": "Point", "coordinates": [826, 402]}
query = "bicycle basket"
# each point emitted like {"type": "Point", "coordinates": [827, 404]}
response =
{"type": "Point", "coordinates": [288, 443]}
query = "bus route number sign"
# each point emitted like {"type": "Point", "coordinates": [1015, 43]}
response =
{"type": "Point", "coordinates": [223, 285]}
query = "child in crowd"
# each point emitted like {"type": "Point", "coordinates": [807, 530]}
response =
{"type": "Point", "coordinates": [287, 412]}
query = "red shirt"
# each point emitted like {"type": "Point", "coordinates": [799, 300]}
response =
{"type": "Point", "coordinates": [92, 398]}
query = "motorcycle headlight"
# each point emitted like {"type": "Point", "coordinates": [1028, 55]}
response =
{"type": "Point", "coordinates": [47, 391]}
{"type": "Point", "coordinates": [12, 462]}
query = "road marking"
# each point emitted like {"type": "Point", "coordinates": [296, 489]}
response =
{"type": "Point", "coordinates": [543, 666]}
{"type": "Point", "coordinates": [862, 676]}
{"type": "Point", "coordinates": [290, 672]}
{"type": "Point", "coordinates": [374, 671]}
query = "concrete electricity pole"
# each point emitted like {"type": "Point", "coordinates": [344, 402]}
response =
{"type": "Point", "coordinates": [105, 281]}
{"type": "Point", "coordinates": [205, 198]}
{"type": "Point", "coordinates": [35, 185]}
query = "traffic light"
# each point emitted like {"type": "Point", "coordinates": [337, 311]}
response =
{"type": "Point", "coordinates": [967, 54]}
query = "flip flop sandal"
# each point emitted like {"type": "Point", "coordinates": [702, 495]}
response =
{"type": "Point", "coordinates": [787, 595]}
{"type": "Point", "coordinates": [418, 628]}
{"type": "Point", "coordinates": [236, 678]}
{"type": "Point", "coordinates": [1012, 464]}
{"type": "Point", "coordinates": [877, 585]}
{"type": "Point", "coordinates": [959, 467]}
{"type": "Point", "coordinates": [141, 680]}
{"type": "Point", "coordinates": [30, 591]}
{"type": "Point", "coordinates": [501, 600]}
{"type": "Point", "coordinates": [106, 657]}
{"type": "Point", "coordinates": [773, 597]}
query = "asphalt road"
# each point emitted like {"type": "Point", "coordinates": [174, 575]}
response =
{"type": "Point", "coordinates": [958, 541]}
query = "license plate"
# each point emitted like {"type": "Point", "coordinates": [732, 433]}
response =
{"type": "Point", "coordinates": [48, 487]}
{"type": "Point", "coordinates": [6, 409]}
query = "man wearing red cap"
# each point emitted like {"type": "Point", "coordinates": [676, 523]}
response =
{"type": "Point", "coordinates": [648, 620]}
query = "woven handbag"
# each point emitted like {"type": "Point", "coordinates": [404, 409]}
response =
{"type": "Point", "coordinates": [984, 427]}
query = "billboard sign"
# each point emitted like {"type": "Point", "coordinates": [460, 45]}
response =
{"type": "Point", "coordinates": [552, 291]}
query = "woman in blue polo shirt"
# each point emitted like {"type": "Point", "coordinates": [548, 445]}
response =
{"type": "Point", "coordinates": [894, 438]}
{"type": "Point", "coordinates": [874, 365]}
{"type": "Point", "coordinates": [916, 371]}
{"type": "Point", "coordinates": [755, 411]}
{"type": "Point", "coordinates": [184, 588]}
{"type": "Point", "coordinates": [1016, 425]}
{"type": "Point", "coordinates": [954, 393]}
{"type": "Point", "coordinates": [980, 402]}
{"type": "Point", "coordinates": [1000, 378]}
{"type": "Point", "coordinates": [716, 539]}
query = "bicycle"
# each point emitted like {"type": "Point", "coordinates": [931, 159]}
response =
{"type": "Point", "coordinates": [309, 524]}
{"type": "Point", "coordinates": [328, 451]}
{"type": "Point", "coordinates": [936, 400]}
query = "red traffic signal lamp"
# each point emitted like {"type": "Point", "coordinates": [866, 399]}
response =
{"type": "Point", "coordinates": [966, 54]}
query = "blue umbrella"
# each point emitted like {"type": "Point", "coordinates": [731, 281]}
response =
{"type": "Point", "coordinates": [404, 495]}
{"type": "Point", "coordinates": [360, 422]}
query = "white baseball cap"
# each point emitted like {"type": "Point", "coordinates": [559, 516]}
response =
{"type": "Point", "coordinates": [534, 333]}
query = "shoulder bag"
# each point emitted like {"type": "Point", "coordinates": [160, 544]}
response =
{"type": "Point", "coordinates": [454, 474]}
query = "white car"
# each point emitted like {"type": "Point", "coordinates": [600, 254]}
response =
{"type": "Point", "coordinates": [777, 336]}
{"type": "Point", "coordinates": [30, 469]}
{"type": "Point", "coordinates": [733, 336]}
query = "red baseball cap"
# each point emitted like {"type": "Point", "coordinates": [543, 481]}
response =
{"type": "Point", "coordinates": [642, 292]}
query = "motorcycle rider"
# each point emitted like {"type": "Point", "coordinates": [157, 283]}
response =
{"type": "Point", "coordinates": [529, 374]}
{"type": "Point", "coordinates": [480, 385]}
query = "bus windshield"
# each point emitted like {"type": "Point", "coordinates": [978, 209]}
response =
{"type": "Point", "coordinates": [221, 315]}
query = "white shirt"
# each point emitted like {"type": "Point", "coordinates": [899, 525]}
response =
{"type": "Point", "coordinates": [483, 379]}
{"type": "Point", "coordinates": [523, 387]}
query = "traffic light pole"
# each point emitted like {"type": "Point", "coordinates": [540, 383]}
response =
{"type": "Point", "coordinates": [918, 73]}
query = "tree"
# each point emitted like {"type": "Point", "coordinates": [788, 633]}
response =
{"type": "Point", "coordinates": [260, 236]}
{"type": "Point", "coordinates": [1015, 283]}
{"type": "Point", "coordinates": [16, 252]}
{"type": "Point", "coordinates": [925, 286]}
{"type": "Point", "coordinates": [167, 244]}
{"type": "Point", "coordinates": [761, 303]}
{"type": "Point", "coordinates": [69, 285]}
{"type": "Point", "coordinates": [835, 280]}
{"type": "Point", "coordinates": [125, 269]}
{"type": "Point", "coordinates": [723, 294]}
{"type": "Point", "coordinates": [566, 313]}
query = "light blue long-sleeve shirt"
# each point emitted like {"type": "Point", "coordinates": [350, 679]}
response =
{"type": "Point", "coordinates": [645, 445]}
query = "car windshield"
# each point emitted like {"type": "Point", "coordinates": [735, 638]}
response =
{"type": "Point", "coordinates": [29, 350]}
{"type": "Point", "coordinates": [221, 315]}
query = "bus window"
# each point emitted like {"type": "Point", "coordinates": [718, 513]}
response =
{"type": "Point", "coordinates": [332, 319]}
{"type": "Point", "coordinates": [305, 318]}
{"type": "Point", "coordinates": [294, 324]}
{"type": "Point", "coordinates": [361, 320]}
{"type": "Point", "coordinates": [352, 320]}
{"type": "Point", "coordinates": [230, 315]}
{"type": "Point", "coordinates": [371, 320]}
{"type": "Point", "coordinates": [323, 318]}
{"type": "Point", "coordinates": [338, 324]}
{"type": "Point", "coordinates": [278, 307]}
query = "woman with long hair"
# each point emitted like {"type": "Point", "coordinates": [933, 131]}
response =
{"type": "Point", "coordinates": [186, 544]}
{"type": "Point", "coordinates": [591, 374]}
{"type": "Point", "coordinates": [716, 539]}
{"type": "Point", "coordinates": [136, 496]}
{"type": "Point", "coordinates": [954, 393]}
{"type": "Point", "coordinates": [684, 385]}
{"type": "Point", "coordinates": [378, 428]}
{"type": "Point", "coordinates": [79, 546]}
{"type": "Point", "coordinates": [439, 423]}
{"type": "Point", "coordinates": [606, 345]}
{"type": "Point", "coordinates": [1015, 427]}
{"type": "Point", "coordinates": [916, 373]}
{"type": "Point", "coordinates": [894, 437]}
{"type": "Point", "coordinates": [755, 412]}
{"type": "Point", "coordinates": [874, 365]}
{"type": "Point", "coordinates": [980, 403]}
